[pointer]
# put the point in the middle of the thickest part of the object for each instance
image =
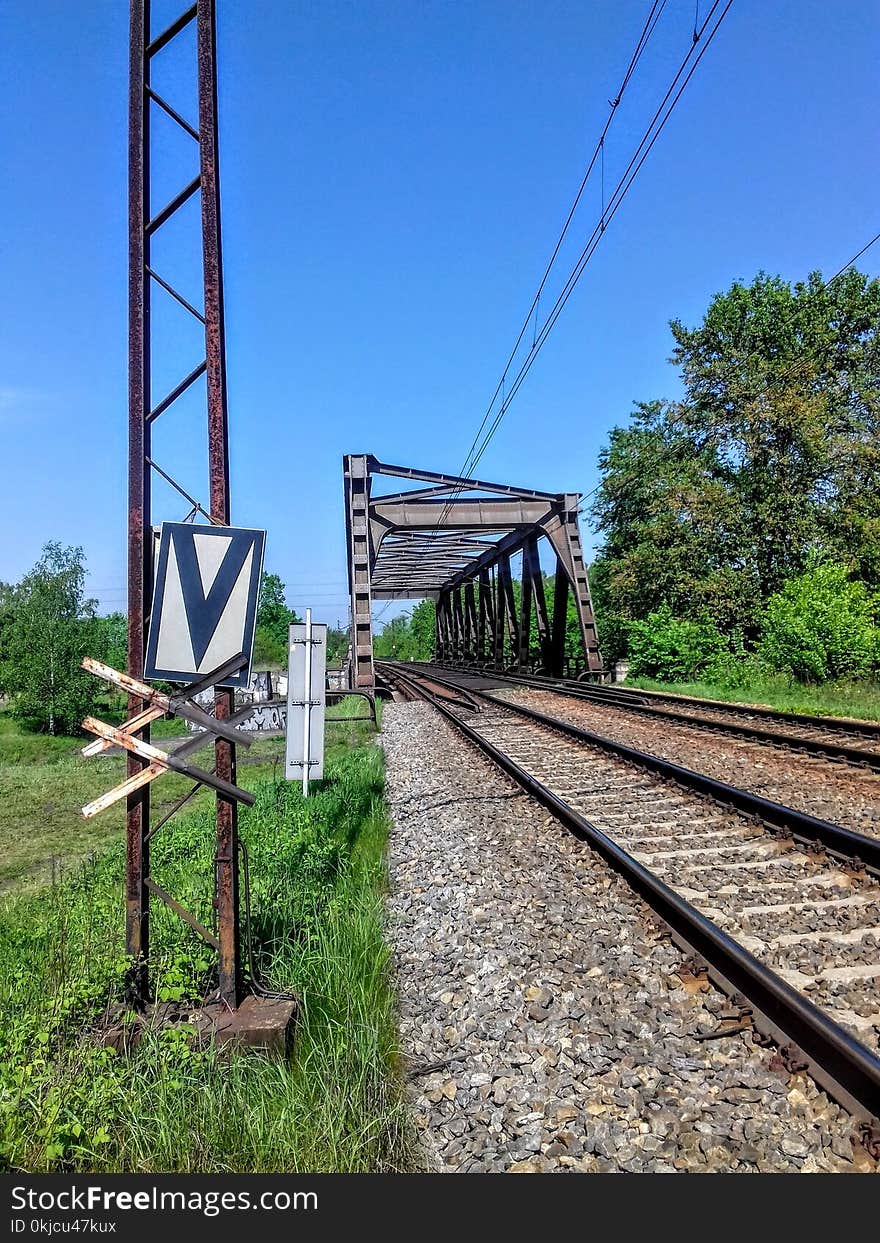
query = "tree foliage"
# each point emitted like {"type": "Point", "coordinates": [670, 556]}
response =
{"type": "Point", "coordinates": [111, 640]}
{"type": "Point", "coordinates": [822, 625]}
{"type": "Point", "coordinates": [673, 649]}
{"type": "Point", "coordinates": [52, 628]}
{"type": "Point", "coordinates": [711, 504]}
{"type": "Point", "coordinates": [337, 645]}
{"type": "Point", "coordinates": [408, 637]}
{"type": "Point", "coordinates": [7, 615]}
{"type": "Point", "coordinates": [273, 620]}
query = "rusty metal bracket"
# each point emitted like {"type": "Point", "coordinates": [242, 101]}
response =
{"type": "Point", "coordinates": [180, 910]}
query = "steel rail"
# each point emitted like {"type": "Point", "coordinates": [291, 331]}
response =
{"type": "Point", "coordinates": [849, 725]}
{"type": "Point", "coordinates": [845, 844]}
{"type": "Point", "coordinates": [813, 746]}
{"type": "Point", "coordinates": [846, 1068]}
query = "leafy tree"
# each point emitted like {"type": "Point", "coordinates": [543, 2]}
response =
{"type": "Point", "coordinates": [611, 626]}
{"type": "Point", "coordinates": [52, 628]}
{"type": "Point", "coordinates": [7, 614]}
{"type": "Point", "coordinates": [111, 642]}
{"type": "Point", "coordinates": [337, 645]}
{"type": "Point", "coordinates": [268, 650]}
{"type": "Point", "coordinates": [394, 640]}
{"type": "Point", "coordinates": [669, 524]}
{"type": "Point", "coordinates": [711, 504]}
{"type": "Point", "coordinates": [822, 625]}
{"type": "Point", "coordinates": [421, 626]}
{"type": "Point", "coordinates": [273, 620]}
{"type": "Point", "coordinates": [408, 637]}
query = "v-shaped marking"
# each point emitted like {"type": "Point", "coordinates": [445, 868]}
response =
{"type": "Point", "coordinates": [203, 612]}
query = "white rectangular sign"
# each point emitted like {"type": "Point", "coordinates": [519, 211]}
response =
{"type": "Point", "coordinates": [204, 607]}
{"type": "Point", "coordinates": [307, 664]}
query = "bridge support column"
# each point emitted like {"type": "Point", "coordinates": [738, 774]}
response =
{"type": "Point", "coordinates": [525, 616]}
{"type": "Point", "coordinates": [471, 625]}
{"type": "Point", "coordinates": [507, 611]}
{"type": "Point", "coordinates": [556, 662]}
{"type": "Point", "coordinates": [458, 626]}
{"type": "Point", "coordinates": [486, 627]}
{"type": "Point", "coordinates": [357, 509]}
{"type": "Point", "coordinates": [440, 620]}
{"type": "Point", "coordinates": [530, 554]}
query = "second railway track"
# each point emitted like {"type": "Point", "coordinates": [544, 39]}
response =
{"type": "Point", "coordinates": [849, 740]}
{"type": "Point", "coordinates": [818, 784]}
{"type": "Point", "coordinates": [783, 923]}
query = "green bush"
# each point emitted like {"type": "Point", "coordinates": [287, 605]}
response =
{"type": "Point", "coordinates": [671, 648]}
{"type": "Point", "coordinates": [821, 625]}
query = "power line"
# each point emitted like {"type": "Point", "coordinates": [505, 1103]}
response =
{"type": "Point", "coordinates": [652, 133]}
{"type": "Point", "coordinates": [647, 30]}
{"type": "Point", "coordinates": [607, 214]}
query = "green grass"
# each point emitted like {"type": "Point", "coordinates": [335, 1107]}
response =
{"type": "Point", "coordinates": [317, 878]}
{"type": "Point", "coordinates": [44, 782]}
{"type": "Point", "coordinates": [852, 699]}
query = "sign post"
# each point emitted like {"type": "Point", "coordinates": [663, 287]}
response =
{"type": "Point", "coordinates": [306, 701]}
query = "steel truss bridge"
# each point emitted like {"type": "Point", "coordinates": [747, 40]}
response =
{"type": "Point", "coordinates": [453, 541]}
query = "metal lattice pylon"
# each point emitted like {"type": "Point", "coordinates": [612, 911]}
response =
{"type": "Point", "coordinates": [144, 223]}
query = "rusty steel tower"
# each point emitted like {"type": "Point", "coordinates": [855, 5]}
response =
{"type": "Point", "coordinates": [145, 221]}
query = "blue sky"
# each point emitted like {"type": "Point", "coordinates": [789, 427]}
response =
{"type": "Point", "coordinates": [394, 176]}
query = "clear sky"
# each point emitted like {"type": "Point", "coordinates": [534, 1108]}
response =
{"type": "Point", "coordinates": [394, 175]}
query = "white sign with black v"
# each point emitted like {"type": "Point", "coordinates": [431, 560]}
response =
{"type": "Point", "coordinates": [205, 601]}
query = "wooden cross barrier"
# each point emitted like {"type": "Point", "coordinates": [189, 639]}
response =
{"type": "Point", "coordinates": [161, 761]}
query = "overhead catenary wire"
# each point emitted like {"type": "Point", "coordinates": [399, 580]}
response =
{"type": "Point", "coordinates": [652, 133]}
{"type": "Point", "coordinates": [687, 67]}
{"type": "Point", "coordinates": [647, 30]}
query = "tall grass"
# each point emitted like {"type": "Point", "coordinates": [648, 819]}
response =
{"type": "Point", "coordinates": [317, 875]}
{"type": "Point", "coordinates": [854, 699]}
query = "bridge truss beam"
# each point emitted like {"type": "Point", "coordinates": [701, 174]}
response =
{"type": "Point", "coordinates": [453, 542]}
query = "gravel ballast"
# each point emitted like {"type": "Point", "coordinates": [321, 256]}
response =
{"type": "Point", "coordinates": [548, 1022]}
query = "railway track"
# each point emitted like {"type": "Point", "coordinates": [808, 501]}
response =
{"type": "Point", "coordinates": [820, 785]}
{"type": "Point", "coordinates": [817, 784]}
{"type": "Point", "coordinates": [781, 908]}
{"type": "Point", "coordinates": [850, 741]}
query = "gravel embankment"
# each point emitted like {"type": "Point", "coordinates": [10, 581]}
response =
{"type": "Point", "coordinates": [843, 793]}
{"type": "Point", "coordinates": [561, 1022]}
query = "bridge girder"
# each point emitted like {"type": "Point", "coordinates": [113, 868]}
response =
{"type": "Point", "coordinates": [445, 543]}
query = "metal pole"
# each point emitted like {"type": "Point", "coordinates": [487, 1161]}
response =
{"type": "Point", "coordinates": [226, 859]}
{"type": "Point", "coordinates": [307, 706]}
{"type": "Point", "coordinates": [143, 223]}
{"type": "Point", "coordinates": [560, 620]}
{"type": "Point", "coordinates": [137, 898]}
